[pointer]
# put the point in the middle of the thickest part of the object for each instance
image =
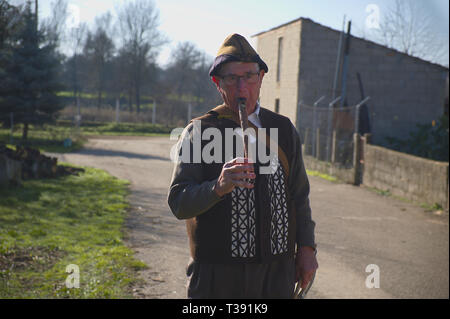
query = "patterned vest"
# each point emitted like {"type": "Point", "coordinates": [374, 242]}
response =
{"type": "Point", "coordinates": [248, 225]}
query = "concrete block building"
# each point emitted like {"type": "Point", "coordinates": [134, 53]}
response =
{"type": "Point", "coordinates": [302, 54]}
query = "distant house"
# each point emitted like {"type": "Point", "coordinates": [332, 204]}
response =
{"type": "Point", "coordinates": [302, 54]}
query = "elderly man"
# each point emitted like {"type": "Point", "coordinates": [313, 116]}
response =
{"type": "Point", "coordinates": [250, 231]}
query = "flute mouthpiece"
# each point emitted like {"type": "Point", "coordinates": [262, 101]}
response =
{"type": "Point", "coordinates": [242, 100]}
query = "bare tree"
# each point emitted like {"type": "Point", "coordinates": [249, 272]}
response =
{"type": "Point", "coordinates": [405, 26]}
{"type": "Point", "coordinates": [185, 59]}
{"type": "Point", "coordinates": [10, 21]}
{"type": "Point", "coordinates": [187, 78]}
{"type": "Point", "coordinates": [76, 38]}
{"type": "Point", "coordinates": [54, 26]}
{"type": "Point", "coordinates": [99, 50]}
{"type": "Point", "coordinates": [138, 23]}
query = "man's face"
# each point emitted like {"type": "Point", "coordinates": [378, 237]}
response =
{"type": "Point", "coordinates": [242, 88]}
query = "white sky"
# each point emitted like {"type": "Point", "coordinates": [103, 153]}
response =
{"type": "Point", "coordinates": [207, 22]}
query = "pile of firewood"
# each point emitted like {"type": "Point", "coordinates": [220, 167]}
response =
{"type": "Point", "coordinates": [28, 163]}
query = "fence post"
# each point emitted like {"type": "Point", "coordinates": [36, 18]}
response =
{"type": "Point", "coordinates": [330, 118]}
{"type": "Point", "coordinates": [11, 119]}
{"type": "Point", "coordinates": [154, 112]}
{"type": "Point", "coordinates": [316, 104]}
{"type": "Point", "coordinates": [117, 110]}
{"type": "Point", "coordinates": [356, 159]}
{"type": "Point", "coordinates": [358, 106]}
{"type": "Point", "coordinates": [334, 147]}
{"type": "Point", "coordinates": [318, 143]}
{"type": "Point", "coordinates": [189, 112]}
{"type": "Point", "coordinates": [306, 142]}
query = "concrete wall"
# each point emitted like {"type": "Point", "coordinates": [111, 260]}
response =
{"type": "Point", "coordinates": [346, 175]}
{"type": "Point", "coordinates": [407, 176]}
{"type": "Point", "coordinates": [286, 88]}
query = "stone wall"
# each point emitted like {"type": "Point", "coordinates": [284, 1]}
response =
{"type": "Point", "coordinates": [414, 178]}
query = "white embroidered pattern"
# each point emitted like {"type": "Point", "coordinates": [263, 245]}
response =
{"type": "Point", "coordinates": [243, 217]}
{"type": "Point", "coordinates": [278, 211]}
{"type": "Point", "coordinates": [243, 222]}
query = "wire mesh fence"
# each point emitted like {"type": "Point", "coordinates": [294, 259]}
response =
{"type": "Point", "coordinates": [328, 132]}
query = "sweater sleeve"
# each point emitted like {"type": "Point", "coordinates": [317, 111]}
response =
{"type": "Point", "coordinates": [189, 194]}
{"type": "Point", "coordinates": [299, 193]}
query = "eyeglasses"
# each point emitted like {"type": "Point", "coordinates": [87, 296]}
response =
{"type": "Point", "coordinates": [232, 79]}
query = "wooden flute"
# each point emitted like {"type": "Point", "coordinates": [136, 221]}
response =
{"type": "Point", "coordinates": [243, 118]}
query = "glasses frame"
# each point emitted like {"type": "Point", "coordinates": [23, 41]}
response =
{"type": "Point", "coordinates": [226, 78]}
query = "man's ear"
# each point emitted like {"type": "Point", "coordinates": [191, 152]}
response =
{"type": "Point", "coordinates": [215, 80]}
{"type": "Point", "coordinates": [261, 74]}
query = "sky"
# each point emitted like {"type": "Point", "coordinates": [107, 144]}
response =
{"type": "Point", "coordinates": [207, 23]}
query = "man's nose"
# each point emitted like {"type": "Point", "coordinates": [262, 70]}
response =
{"type": "Point", "coordinates": [241, 83]}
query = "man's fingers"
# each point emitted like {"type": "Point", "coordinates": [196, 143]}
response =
{"type": "Point", "coordinates": [242, 183]}
{"type": "Point", "coordinates": [236, 173]}
{"type": "Point", "coordinates": [239, 169]}
{"type": "Point", "coordinates": [239, 160]}
{"type": "Point", "coordinates": [304, 283]}
{"type": "Point", "coordinates": [305, 279]}
{"type": "Point", "coordinates": [241, 176]}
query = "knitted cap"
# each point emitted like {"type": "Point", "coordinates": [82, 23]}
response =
{"type": "Point", "coordinates": [236, 48]}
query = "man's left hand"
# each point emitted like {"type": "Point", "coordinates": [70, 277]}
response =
{"type": "Point", "coordinates": [305, 265]}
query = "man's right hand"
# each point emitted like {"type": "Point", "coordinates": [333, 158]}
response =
{"type": "Point", "coordinates": [236, 172]}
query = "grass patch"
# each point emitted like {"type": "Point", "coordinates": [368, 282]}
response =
{"type": "Point", "coordinates": [431, 208]}
{"type": "Point", "coordinates": [46, 225]}
{"type": "Point", "coordinates": [321, 175]}
{"type": "Point", "coordinates": [51, 138]}
{"type": "Point", "coordinates": [387, 193]}
{"type": "Point", "coordinates": [139, 129]}
{"type": "Point", "coordinates": [47, 138]}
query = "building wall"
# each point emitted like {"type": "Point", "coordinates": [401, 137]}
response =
{"type": "Point", "coordinates": [286, 89]}
{"type": "Point", "coordinates": [404, 90]}
{"type": "Point", "coordinates": [317, 63]}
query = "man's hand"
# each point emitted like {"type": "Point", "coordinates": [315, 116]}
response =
{"type": "Point", "coordinates": [234, 174]}
{"type": "Point", "coordinates": [305, 265]}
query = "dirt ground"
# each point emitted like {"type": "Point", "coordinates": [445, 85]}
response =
{"type": "Point", "coordinates": [355, 228]}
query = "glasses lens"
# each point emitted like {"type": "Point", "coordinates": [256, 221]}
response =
{"type": "Point", "coordinates": [251, 77]}
{"type": "Point", "coordinates": [232, 79]}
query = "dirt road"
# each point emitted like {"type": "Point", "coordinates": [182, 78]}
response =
{"type": "Point", "coordinates": [355, 228]}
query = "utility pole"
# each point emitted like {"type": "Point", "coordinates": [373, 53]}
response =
{"type": "Point", "coordinates": [36, 14]}
{"type": "Point", "coordinates": [154, 112]}
{"type": "Point", "coordinates": [338, 62]}
{"type": "Point", "coordinates": [345, 66]}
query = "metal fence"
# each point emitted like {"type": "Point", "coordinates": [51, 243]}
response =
{"type": "Point", "coordinates": [327, 131]}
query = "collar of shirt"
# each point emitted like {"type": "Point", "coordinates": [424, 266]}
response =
{"type": "Point", "coordinates": [254, 118]}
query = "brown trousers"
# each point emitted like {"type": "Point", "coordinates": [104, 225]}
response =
{"type": "Point", "coordinates": [236, 281]}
